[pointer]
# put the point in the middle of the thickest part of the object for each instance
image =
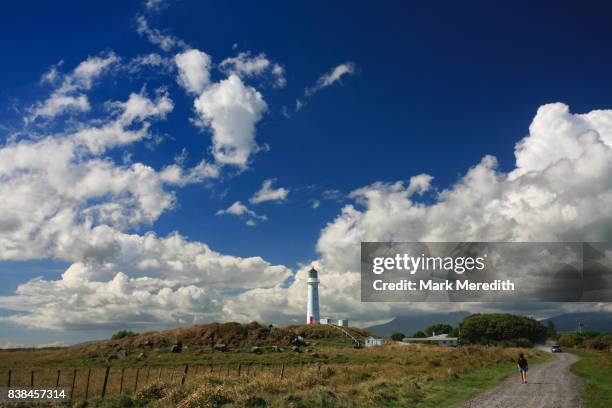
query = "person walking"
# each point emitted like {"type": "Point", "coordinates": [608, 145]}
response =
{"type": "Point", "coordinates": [523, 366]}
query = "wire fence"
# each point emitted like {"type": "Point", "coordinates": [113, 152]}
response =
{"type": "Point", "coordinates": [101, 382]}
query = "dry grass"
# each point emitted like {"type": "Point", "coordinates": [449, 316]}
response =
{"type": "Point", "coordinates": [393, 375]}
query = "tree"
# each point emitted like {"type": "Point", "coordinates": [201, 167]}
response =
{"type": "Point", "coordinates": [397, 336]}
{"type": "Point", "coordinates": [551, 330]}
{"type": "Point", "coordinates": [418, 334]}
{"type": "Point", "coordinates": [439, 328]}
{"type": "Point", "coordinates": [501, 328]}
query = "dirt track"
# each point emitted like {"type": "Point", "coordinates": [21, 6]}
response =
{"type": "Point", "coordinates": [550, 385]}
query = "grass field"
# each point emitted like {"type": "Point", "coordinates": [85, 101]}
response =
{"type": "Point", "coordinates": [390, 375]}
{"type": "Point", "coordinates": [596, 369]}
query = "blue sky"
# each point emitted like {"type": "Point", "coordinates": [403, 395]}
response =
{"type": "Point", "coordinates": [432, 88]}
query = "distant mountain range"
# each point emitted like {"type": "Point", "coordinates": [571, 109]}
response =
{"type": "Point", "coordinates": [591, 321]}
{"type": "Point", "coordinates": [410, 324]}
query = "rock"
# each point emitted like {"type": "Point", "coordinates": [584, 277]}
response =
{"type": "Point", "coordinates": [176, 348]}
{"type": "Point", "coordinates": [148, 343]}
{"type": "Point", "coordinates": [221, 347]}
{"type": "Point", "coordinates": [141, 356]}
{"type": "Point", "coordinates": [276, 349]}
{"type": "Point", "coordinates": [296, 349]}
{"type": "Point", "coordinates": [256, 350]}
{"type": "Point", "coordinates": [298, 341]}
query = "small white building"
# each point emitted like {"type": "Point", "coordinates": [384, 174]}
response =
{"type": "Point", "coordinates": [339, 322]}
{"type": "Point", "coordinates": [440, 339]}
{"type": "Point", "coordinates": [373, 341]}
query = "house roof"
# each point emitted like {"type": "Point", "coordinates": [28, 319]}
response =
{"type": "Point", "coordinates": [438, 337]}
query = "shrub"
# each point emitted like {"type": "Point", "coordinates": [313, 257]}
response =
{"type": "Point", "coordinates": [494, 328]}
{"type": "Point", "coordinates": [151, 393]}
{"type": "Point", "coordinates": [322, 398]}
{"type": "Point", "coordinates": [207, 397]}
{"type": "Point", "coordinates": [397, 336]}
{"type": "Point", "coordinates": [439, 328]}
{"type": "Point", "coordinates": [571, 340]}
{"type": "Point", "coordinates": [122, 334]}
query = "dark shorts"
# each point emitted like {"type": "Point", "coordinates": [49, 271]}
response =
{"type": "Point", "coordinates": [523, 370]}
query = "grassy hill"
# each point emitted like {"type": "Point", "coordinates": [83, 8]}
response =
{"type": "Point", "coordinates": [197, 345]}
{"type": "Point", "coordinates": [142, 370]}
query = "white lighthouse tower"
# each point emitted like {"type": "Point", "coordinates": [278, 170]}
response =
{"type": "Point", "coordinates": [312, 313]}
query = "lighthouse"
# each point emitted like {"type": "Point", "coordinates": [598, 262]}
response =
{"type": "Point", "coordinates": [312, 312]}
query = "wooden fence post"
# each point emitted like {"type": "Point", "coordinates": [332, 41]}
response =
{"type": "Point", "coordinates": [105, 383]}
{"type": "Point", "coordinates": [282, 373]}
{"type": "Point", "coordinates": [212, 369]}
{"type": "Point", "coordinates": [147, 375]}
{"type": "Point", "coordinates": [8, 383]}
{"type": "Point", "coordinates": [184, 378]}
{"type": "Point", "coordinates": [74, 374]}
{"type": "Point", "coordinates": [172, 375]}
{"type": "Point", "coordinates": [121, 380]}
{"type": "Point", "coordinates": [57, 379]}
{"type": "Point", "coordinates": [32, 379]}
{"type": "Point", "coordinates": [238, 371]}
{"type": "Point", "coordinates": [136, 380]}
{"type": "Point", "coordinates": [87, 383]}
{"type": "Point", "coordinates": [159, 375]}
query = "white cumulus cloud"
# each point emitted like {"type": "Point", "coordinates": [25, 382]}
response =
{"type": "Point", "coordinates": [194, 70]}
{"type": "Point", "coordinates": [240, 210]}
{"type": "Point", "coordinates": [231, 110]}
{"type": "Point", "coordinates": [162, 39]}
{"type": "Point", "coordinates": [69, 96]}
{"type": "Point", "coordinates": [565, 195]}
{"type": "Point", "coordinates": [324, 81]}
{"type": "Point", "coordinates": [247, 65]}
{"type": "Point", "coordinates": [268, 193]}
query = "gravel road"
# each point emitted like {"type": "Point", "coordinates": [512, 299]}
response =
{"type": "Point", "coordinates": [550, 385]}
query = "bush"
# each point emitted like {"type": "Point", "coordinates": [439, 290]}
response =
{"type": "Point", "coordinates": [123, 333]}
{"type": "Point", "coordinates": [207, 397]}
{"type": "Point", "coordinates": [419, 334]}
{"type": "Point", "coordinates": [151, 393]}
{"type": "Point", "coordinates": [571, 340]}
{"type": "Point", "coordinates": [596, 344]}
{"type": "Point", "coordinates": [439, 328]}
{"type": "Point", "coordinates": [500, 328]}
{"type": "Point", "coordinates": [397, 336]}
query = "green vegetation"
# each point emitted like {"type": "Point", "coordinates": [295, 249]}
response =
{"type": "Point", "coordinates": [419, 334]}
{"type": "Point", "coordinates": [439, 328]}
{"type": "Point", "coordinates": [397, 336]}
{"type": "Point", "coordinates": [123, 333]}
{"type": "Point", "coordinates": [596, 369]}
{"type": "Point", "coordinates": [588, 340]}
{"type": "Point", "coordinates": [501, 329]}
{"type": "Point", "coordinates": [296, 366]}
{"type": "Point", "coordinates": [420, 376]}
{"type": "Point", "coordinates": [551, 330]}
